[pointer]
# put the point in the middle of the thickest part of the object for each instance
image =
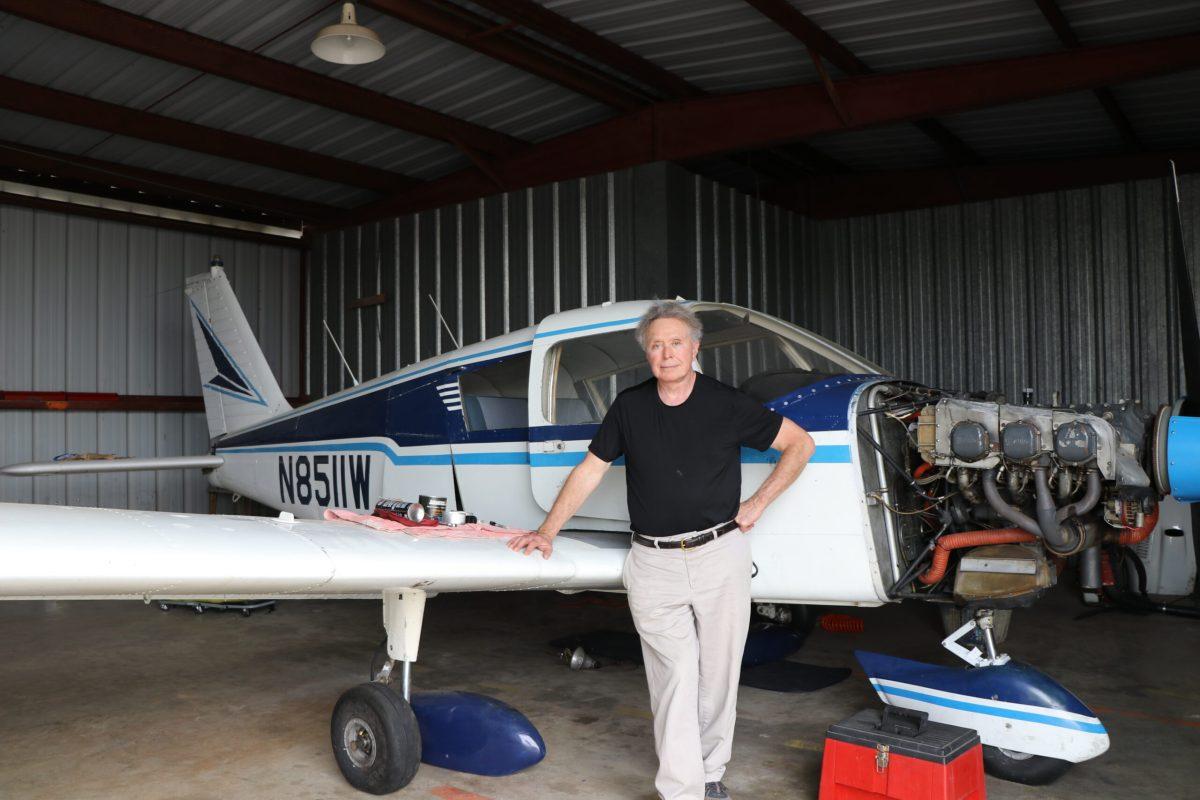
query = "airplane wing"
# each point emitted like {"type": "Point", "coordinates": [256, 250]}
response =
{"type": "Point", "coordinates": [57, 552]}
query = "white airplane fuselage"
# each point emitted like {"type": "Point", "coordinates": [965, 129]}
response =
{"type": "Point", "coordinates": [420, 431]}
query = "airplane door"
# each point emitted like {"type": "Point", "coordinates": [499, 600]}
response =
{"type": "Point", "coordinates": [575, 372]}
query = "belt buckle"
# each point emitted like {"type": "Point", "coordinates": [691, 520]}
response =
{"type": "Point", "coordinates": [683, 544]}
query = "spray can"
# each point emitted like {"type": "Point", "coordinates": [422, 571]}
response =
{"type": "Point", "coordinates": [398, 510]}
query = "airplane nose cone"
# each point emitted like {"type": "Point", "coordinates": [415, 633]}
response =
{"type": "Point", "coordinates": [1173, 453]}
{"type": "Point", "coordinates": [1183, 458]}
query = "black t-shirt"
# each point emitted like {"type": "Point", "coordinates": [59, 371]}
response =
{"type": "Point", "coordinates": [683, 469]}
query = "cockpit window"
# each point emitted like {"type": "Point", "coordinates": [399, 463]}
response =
{"type": "Point", "coordinates": [759, 361]}
{"type": "Point", "coordinates": [588, 372]}
{"type": "Point", "coordinates": [495, 397]}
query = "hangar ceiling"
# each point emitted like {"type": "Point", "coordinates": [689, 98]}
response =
{"type": "Point", "coordinates": [833, 108]}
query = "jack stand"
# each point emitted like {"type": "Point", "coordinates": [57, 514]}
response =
{"type": "Point", "coordinates": [975, 656]}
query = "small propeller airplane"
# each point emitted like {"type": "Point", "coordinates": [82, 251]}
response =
{"type": "Point", "coordinates": [913, 493]}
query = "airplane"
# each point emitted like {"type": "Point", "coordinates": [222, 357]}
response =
{"type": "Point", "coordinates": [913, 493]}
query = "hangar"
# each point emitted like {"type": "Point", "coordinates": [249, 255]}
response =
{"type": "Point", "coordinates": [974, 196]}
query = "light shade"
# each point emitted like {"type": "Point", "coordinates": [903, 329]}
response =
{"type": "Point", "coordinates": [348, 42]}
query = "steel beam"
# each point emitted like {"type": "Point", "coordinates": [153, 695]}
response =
{"type": "Point", "coordinates": [42, 101]}
{"type": "Point", "coordinates": [132, 218]}
{"type": "Point", "coordinates": [676, 131]}
{"type": "Point", "coordinates": [138, 34]}
{"type": "Point", "coordinates": [105, 401]}
{"type": "Point", "coordinates": [821, 45]}
{"type": "Point", "coordinates": [562, 30]}
{"type": "Point", "coordinates": [458, 24]}
{"type": "Point", "coordinates": [670, 86]}
{"type": "Point", "coordinates": [83, 168]}
{"type": "Point", "coordinates": [1058, 21]}
{"type": "Point", "coordinates": [835, 197]}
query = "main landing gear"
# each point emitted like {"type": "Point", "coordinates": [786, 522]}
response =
{"type": "Point", "coordinates": [374, 732]}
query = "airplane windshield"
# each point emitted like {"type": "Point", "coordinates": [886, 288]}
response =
{"type": "Point", "coordinates": [590, 371]}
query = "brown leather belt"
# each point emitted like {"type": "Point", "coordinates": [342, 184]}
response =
{"type": "Point", "coordinates": [692, 541]}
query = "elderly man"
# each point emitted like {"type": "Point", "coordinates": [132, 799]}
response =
{"type": "Point", "coordinates": [688, 571]}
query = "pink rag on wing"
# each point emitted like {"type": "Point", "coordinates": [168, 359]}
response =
{"type": "Point", "coordinates": [472, 530]}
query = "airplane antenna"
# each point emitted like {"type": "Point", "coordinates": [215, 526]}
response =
{"type": "Point", "coordinates": [445, 324]}
{"type": "Point", "coordinates": [342, 355]}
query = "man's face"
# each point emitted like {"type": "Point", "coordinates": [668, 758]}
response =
{"type": "Point", "coordinates": [670, 349]}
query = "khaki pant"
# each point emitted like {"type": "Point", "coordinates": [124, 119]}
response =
{"type": "Point", "coordinates": [692, 611]}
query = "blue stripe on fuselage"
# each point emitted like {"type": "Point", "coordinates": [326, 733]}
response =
{"type": "Point", "coordinates": [824, 454]}
{"type": "Point", "coordinates": [399, 459]}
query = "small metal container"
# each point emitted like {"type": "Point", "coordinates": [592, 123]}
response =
{"type": "Point", "coordinates": [435, 507]}
{"type": "Point", "coordinates": [455, 517]}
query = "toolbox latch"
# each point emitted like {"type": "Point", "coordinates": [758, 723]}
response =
{"type": "Point", "coordinates": [881, 757]}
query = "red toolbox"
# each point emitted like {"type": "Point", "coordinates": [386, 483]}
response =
{"type": "Point", "coordinates": [898, 754]}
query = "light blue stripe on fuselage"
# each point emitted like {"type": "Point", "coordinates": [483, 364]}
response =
{"type": "Point", "coordinates": [995, 711]}
{"type": "Point", "coordinates": [824, 454]}
{"type": "Point", "coordinates": [416, 460]}
{"type": "Point", "coordinates": [589, 327]}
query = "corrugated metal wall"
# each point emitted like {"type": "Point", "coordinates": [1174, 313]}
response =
{"type": "Point", "coordinates": [1065, 292]}
{"type": "Point", "coordinates": [98, 306]}
{"type": "Point", "coordinates": [491, 265]}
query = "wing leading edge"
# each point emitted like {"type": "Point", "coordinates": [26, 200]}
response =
{"type": "Point", "coordinates": [56, 552]}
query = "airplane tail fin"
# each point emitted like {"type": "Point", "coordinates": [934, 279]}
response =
{"type": "Point", "coordinates": [239, 389]}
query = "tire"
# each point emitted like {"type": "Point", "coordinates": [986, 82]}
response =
{"type": "Point", "coordinates": [804, 618]}
{"type": "Point", "coordinates": [1025, 768]}
{"type": "Point", "coordinates": [375, 738]}
{"type": "Point", "coordinates": [954, 618]}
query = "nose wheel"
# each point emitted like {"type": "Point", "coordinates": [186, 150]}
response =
{"type": "Point", "coordinates": [375, 738]}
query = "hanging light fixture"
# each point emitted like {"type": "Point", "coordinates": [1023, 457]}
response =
{"type": "Point", "coordinates": [348, 42]}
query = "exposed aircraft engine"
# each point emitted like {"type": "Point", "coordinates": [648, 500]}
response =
{"type": "Point", "coordinates": [986, 499]}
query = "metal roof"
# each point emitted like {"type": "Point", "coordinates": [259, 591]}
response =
{"type": "Point", "coordinates": [717, 45]}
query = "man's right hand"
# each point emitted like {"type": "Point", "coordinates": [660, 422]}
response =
{"type": "Point", "coordinates": [530, 542]}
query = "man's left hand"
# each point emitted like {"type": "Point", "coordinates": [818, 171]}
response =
{"type": "Point", "coordinates": [748, 514]}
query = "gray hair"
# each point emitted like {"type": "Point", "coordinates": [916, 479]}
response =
{"type": "Point", "coordinates": [667, 309]}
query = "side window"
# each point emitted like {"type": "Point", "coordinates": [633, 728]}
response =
{"type": "Point", "coordinates": [589, 372]}
{"type": "Point", "coordinates": [496, 397]}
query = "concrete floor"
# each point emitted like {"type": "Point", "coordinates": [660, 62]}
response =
{"type": "Point", "coordinates": [120, 700]}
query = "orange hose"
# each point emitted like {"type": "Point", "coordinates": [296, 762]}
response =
{"type": "Point", "coordinates": [1131, 536]}
{"type": "Point", "coordinates": [841, 623]}
{"type": "Point", "coordinates": [953, 541]}
{"type": "Point", "coordinates": [922, 469]}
